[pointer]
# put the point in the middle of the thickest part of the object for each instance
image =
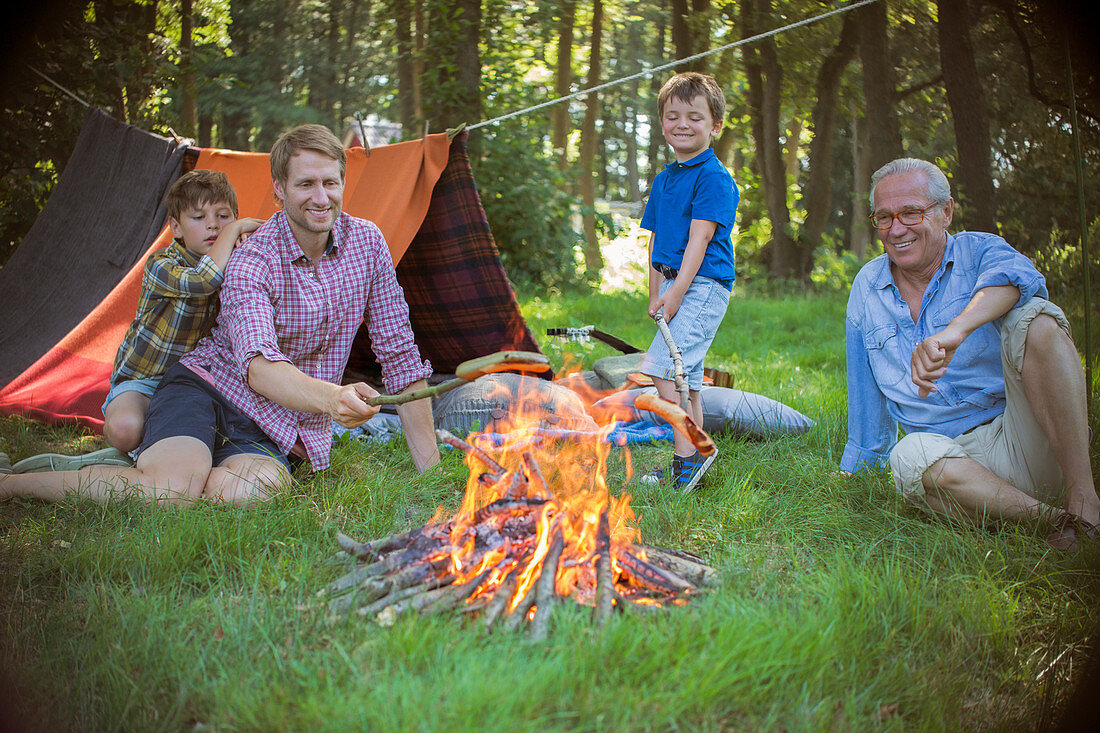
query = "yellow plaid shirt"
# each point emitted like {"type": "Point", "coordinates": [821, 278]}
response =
{"type": "Point", "coordinates": [178, 306]}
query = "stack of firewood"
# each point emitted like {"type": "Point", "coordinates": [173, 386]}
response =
{"type": "Point", "coordinates": [510, 561]}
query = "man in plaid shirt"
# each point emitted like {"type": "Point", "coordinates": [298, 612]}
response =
{"type": "Point", "coordinates": [263, 388]}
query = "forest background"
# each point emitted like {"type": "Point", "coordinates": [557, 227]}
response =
{"type": "Point", "coordinates": [983, 87]}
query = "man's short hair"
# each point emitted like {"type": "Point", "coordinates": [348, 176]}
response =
{"type": "Point", "coordinates": [688, 86]}
{"type": "Point", "coordinates": [317, 138]}
{"type": "Point", "coordinates": [938, 187]}
{"type": "Point", "coordinates": [197, 188]}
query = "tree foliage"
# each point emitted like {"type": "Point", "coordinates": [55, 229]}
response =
{"type": "Point", "coordinates": [811, 112]}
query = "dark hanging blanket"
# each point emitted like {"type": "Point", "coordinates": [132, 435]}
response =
{"type": "Point", "coordinates": [100, 218]}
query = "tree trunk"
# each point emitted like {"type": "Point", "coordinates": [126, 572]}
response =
{"type": "Point", "coordinates": [879, 86]}
{"type": "Point", "coordinates": [236, 118]}
{"type": "Point", "coordinates": [406, 68]}
{"type": "Point", "coordinates": [969, 114]}
{"type": "Point", "coordinates": [764, 75]}
{"type": "Point", "coordinates": [189, 112]}
{"type": "Point", "coordinates": [791, 165]}
{"type": "Point", "coordinates": [563, 83]}
{"type": "Point", "coordinates": [451, 84]}
{"type": "Point", "coordinates": [817, 194]}
{"type": "Point", "coordinates": [724, 145]}
{"type": "Point", "coordinates": [322, 88]}
{"type": "Point", "coordinates": [860, 232]}
{"type": "Point", "coordinates": [656, 140]}
{"type": "Point", "coordinates": [593, 258]}
{"type": "Point", "coordinates": [351, 30]}
{"type": "Point", "coordinates": [690, 32]}
{"type": "Point", "coordinates": [630, 112]}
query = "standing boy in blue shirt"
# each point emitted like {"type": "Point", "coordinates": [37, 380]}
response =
{"type": "Point", "coordinates": [690, 213]}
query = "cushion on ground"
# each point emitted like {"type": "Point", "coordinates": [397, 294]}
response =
{"type": "Point", "coordinates": [496, 401]}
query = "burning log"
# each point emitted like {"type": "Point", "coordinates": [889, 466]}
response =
{"type": "Point", "coordinates": [525, 540]}
{"type": "Point", "coordinates": [650, 577]}
{"type": "Point", "coordinates": [495, 472]}
{"type": "Point", "coordinates": [544, 589]}
{"type": "Point", "coordinates": [605, 586]}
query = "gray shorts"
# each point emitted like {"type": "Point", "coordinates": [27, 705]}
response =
{"type": "Point", "coordinates": [693, 329]}
{"type": "Point", "coordinates": [1012, 445]}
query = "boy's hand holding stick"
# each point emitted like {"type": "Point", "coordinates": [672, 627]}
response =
{"type": "Point", "coordinates": [677, 360]}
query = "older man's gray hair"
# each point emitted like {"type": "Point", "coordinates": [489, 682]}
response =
{"type": "Point", "coordinates": [938, 187]}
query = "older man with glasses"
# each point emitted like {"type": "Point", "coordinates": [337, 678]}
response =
{"type": "Point", "coordinates": [951, 337]}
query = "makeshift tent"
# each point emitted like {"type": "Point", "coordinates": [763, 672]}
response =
{"type": "Point", "coordinates": [71, 289]}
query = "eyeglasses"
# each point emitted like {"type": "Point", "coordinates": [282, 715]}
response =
{"type": "Point", "coordinates": [909, 217]}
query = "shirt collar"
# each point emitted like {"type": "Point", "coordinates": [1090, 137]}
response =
{"type": "Point", "coordinates": [702, 157]}
{"type": "Point", "coordinates": [190, 258]}
{"type": "Point", "coordinates": [289, 247]}
{"type": "Point", "coordinates": [884, 278]}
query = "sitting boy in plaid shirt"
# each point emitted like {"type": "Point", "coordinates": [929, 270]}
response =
{"type": "Point", "coordinates": [179, 297]}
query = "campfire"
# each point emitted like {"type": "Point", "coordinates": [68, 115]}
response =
{"type": "Point", "coordinates": [537, 527]}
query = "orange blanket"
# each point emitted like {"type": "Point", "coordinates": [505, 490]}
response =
{"type": "Point", "coordinates": [392, 186]}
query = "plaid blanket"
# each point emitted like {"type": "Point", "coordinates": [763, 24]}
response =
{"type": "Point", "coordinates": [460, 302]}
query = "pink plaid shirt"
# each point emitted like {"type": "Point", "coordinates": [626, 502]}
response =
{"type": "Point", "coordinates": [279, 305]}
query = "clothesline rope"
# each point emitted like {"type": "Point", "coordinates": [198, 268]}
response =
{"type": "Point", "coordinates": [78, 99]}
{"type": "Point", "coordinates": [671, 64]}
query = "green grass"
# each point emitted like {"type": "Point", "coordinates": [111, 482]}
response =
{"type": "Point", "coordinates": [837, 607]}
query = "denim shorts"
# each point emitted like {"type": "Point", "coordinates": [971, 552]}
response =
{"type": "Point", "coordinates": [186, 405]}
{"type": "Point", "coordinates": [143, 386]}
{"type": "Point", "coordinates": [693, 329]}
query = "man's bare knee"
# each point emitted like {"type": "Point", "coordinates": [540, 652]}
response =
{"type": "Point", "coordinates": [245, 479]}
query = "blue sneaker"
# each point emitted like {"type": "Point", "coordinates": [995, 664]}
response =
{"type": "Point", "coordinates": [686, 473]}
{"type": "Point", "coordinates": [692, 470]}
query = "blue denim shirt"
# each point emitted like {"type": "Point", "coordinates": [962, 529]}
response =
{"type": "Point", "coordinates": [881, 336]}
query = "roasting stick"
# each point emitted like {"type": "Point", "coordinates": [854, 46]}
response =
{"type": "Point", "coordinates": [467, 371]}
{"type": "Point", "coordinates": [677, 360]}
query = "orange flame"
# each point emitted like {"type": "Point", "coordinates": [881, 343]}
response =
{"type": "Point", "coordinates": [553, 477]}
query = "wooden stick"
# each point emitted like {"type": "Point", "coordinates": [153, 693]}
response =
{"type": "Point", "coordinates": [459, 595]}
{"type": "Point", "coordinates": [355, 577]}
{"type": "Point", "coordinates": [501, 361]}
{"type": "Point", "coordinates": [677, 361]}
{"type": "Point", "coordinates": [368, 592]}
{"type": "Point", "coordinates": [605, 583]}
{"type": "Point", "coordinates": [545, 596]}
{"type": "Point", "coordinates": [495, 469]}
{"type": "Point", "coordinates": [371, 551]}
{"type": "Point", "coordinates": [534, 475]}
{"type": "Point", "coordinates": [501, 596]}
{"type": "Point", "coordinates": [403, 593]}
{"type": "Point", "coordinates": [652, 577]}
{"type": "Point", "coordinates": [507, 506]}
{"type": "Point", "coordinates": [690, 567]}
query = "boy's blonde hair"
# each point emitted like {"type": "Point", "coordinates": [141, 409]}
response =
{"type": "Point", "coordinates": [688, 86]}
{"type": "Point", "coordinates": [317, 138]}
{"type": "Point", "coordinates": [197, 188]}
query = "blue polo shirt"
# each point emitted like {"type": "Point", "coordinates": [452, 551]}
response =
{"type": "Point", "coordinates": [700, 188]}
